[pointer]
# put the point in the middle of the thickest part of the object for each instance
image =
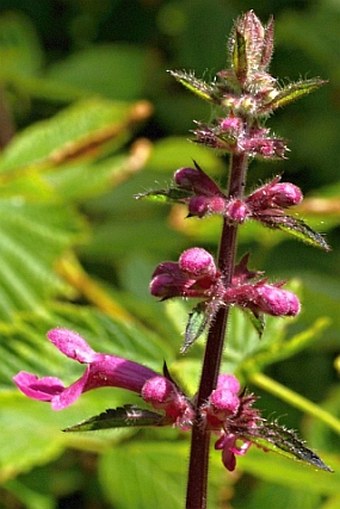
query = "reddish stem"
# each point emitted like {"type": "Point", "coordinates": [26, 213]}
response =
{"type": "Point", "coordinates": [199, 455]}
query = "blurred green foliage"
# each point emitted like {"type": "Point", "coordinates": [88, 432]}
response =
{"type": "Point", "coordinates": [90, 117]}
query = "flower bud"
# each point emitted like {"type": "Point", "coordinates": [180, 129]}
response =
{"type": "Point", "coordinates": [163, 286]}
{"type": "Point", "coordinates": [237, 211]}
{"type": "Point", "coordinates": [229, 382]}
{"type": "Point", "coordinates": [285, 194]}
{"type": "Point", "coordinates": [158, 391]}
{"type": "Point", "coordinates": [201, 206]}
{"type": "Point", "coordinates": [194, 179]}
{"type": "Point", "coordinates": [275, 301]}
{"type": "Point", "coordinates": [274, 194]}
{"type": "Point", "coordinates": [168, 280]}
{"type": "Point", "coordinates": [224, 401]}
{"type": "Point", "coordinates": [231, 124]}
{"type": "Point", "coordinates": [197, 262]}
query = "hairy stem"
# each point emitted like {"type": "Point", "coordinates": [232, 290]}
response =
{"type": "Point", "coordinates": [199, 455]}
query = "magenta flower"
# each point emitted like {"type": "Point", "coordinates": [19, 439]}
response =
{"type": "Point", "coordinates": [102, 370]}
{"type": "Point", "coordinates": [231, 416]}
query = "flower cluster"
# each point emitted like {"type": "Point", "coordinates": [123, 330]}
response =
{"type": "Point", "coordinates": [206, 198]}
{"type": "Point", "coordinates": [195, 275]}
{"type": "Point", "coordinates": [226, 413]}
{"type": "Point", "coordinates": [231, 134]}
{"type": "Point", "coordinates": [231, 416]}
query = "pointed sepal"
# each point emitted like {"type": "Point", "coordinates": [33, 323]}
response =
{"type": "Point", "coordinates": [291, 93]}
{"type": "Point", "coordinates": [274, 437]}
{"type": "Point", "coordinates": [126, 416]}
{"type": "Point", "coordinates": [199, 87]}
{"type": "Point", "coordinates": [239, 57]}
{"type": "Point", "coordinates": [295, 227]}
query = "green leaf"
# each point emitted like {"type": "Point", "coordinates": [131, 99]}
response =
{"type": "Point", "coordinates": [32, 430]}
{"type": "Point", "coordinates": [295, 227]}
{"type": "Point", "coordinates": [266, 495]}
{"type": "Point", "coordinates": [148, 474]}
{"type": "Point", "coordinates": [197, 323]}
{"type": "Point", "coordinates": [273, 468]}
{"type": "Point", "coordinates": [271, 436]}
{"type": "Point", "coordinates": [116, 71]}
{"type": "Point", "coordinates": [128, 475]}
{"type": "Point", "coordinates": [32, 237]}
{"type": "Point", "coordinates": [30, 498]}
{"type": "Point", "coordinates": [292, 92]}
{"type": "Point", "coordinates": [170, 195]}
{"type": "Point", "coordinates": [20, 50]}
{"type": "Point", "coordinates": [258, 321]}
{"type": "Point", "coordinates": [175, 152]}
{"type": "Point", "coordinates": [80, 130]}
{"type": "Point", "coordinates": [122, 417]}
{"type": "Point", "coordinates": [77, 182]}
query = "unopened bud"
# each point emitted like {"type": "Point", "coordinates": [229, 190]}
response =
{"type": "Point", "coordinates": [201, 206]}
{"type": "Point", "coordinates": [236, 211]}
{"type": "Point", "coordinates": [285, 194]}
{"type": "Point", "coordinates": [276, 301]}
{"type": "Point", "coordinates": [224, 400]}
{"type": "Point", "coordinates": [274, 194]}
{"type": "Point", "coordinates": [194, 179]}
{"type": "Point", "coordinates": [197, 262]}
{"type": "Point", "coordinates": [167, 280]}
{"type": "Point", "coordinates": [232, 124]}
{"type": "Point", "coordinates": [229, 382]}
{"type": "Point", "coordinates": [158, 391]}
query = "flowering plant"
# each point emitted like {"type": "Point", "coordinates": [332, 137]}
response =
{"type": "Point", "coordinates": [243, 96]}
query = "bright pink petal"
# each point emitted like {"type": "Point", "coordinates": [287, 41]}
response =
{"type": "Point", "coordinates": [71, 393]}
{"type": "Point", "coordinates": [42, 389]}
{"type": "Point", "coordinates": [72, 345]}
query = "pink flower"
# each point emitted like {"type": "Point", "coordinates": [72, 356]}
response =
{"type": "Point", "coordinates": [230, 416]}
{"type": "Point", "coordinates": [161, 393]}
{"type": "Point", "coordinates": [194, 275]}
{"type": "Point", "coordinates": [105, 370]}
{"type": "Point", "coordinates": [102, 370]}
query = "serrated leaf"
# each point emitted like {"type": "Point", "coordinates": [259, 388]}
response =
{"type": "Point", "coordinates": [32, 237]}
{"type": "Point", "coordinates": [196, 325]}
{"type": "Point", "coordinates": [122, 417]}
{"type": "Point", "coordinates": [292, 92]}
{"type": "Point", "coordinates": [82, 129]}
{"type": "Point", "coordinates": [295, 227]}
{"type": "Point", "coordinates": [198, 87]}
{"type": "Point", "coordinates": [271, 436]}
